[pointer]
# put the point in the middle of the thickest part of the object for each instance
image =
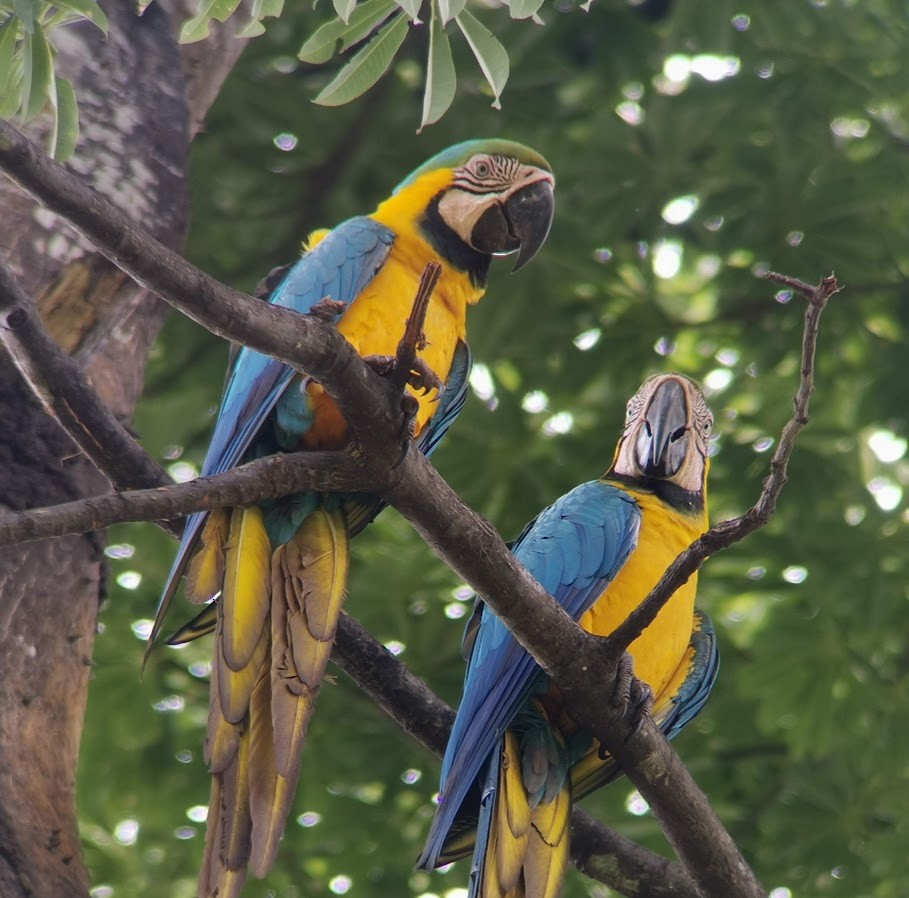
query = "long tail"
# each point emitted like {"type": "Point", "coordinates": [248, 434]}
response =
{"type": "Point", "coordinates": [521, 850]}
{"type": "Point", "coordinates": [273, 637]}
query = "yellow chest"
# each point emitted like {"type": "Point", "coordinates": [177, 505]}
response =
{"type": "Point", "coordinates": [374, 324]}
{"type": "Point", "coordinates": [659, 649]}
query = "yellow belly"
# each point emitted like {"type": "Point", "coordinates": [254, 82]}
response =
{"type": "Point", "coordinates": [659, 649]}
{"type": "Point", "coordinates": [374, 324]}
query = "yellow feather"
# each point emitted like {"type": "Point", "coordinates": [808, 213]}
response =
{"type": "Point", "coordinates": [205, 571]}
{"type": "Point", "coordinates": [245, 596]}
{"type": "Point", "coordinates": [512, 816]}
{"type": "Point", "coordinates": [235, 687]}
{"type": "Point", "coordinates": [547, 850]}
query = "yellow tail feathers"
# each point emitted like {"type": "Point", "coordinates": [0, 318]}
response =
{"type": "Point", "coordinates": [273, 638]}
{"type": "Point", "coordinates": [527, 852]}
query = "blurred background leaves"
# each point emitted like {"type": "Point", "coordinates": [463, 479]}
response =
{"type": "Point", "coordinates": [695, 148]}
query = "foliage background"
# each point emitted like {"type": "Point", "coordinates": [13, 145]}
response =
{"type": "Point", "coordinates": [797, 158]}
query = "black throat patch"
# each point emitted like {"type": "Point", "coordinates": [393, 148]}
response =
{"type": "Point", "coordinates": [672, 494]}
{"type": "Point", "coordinates": [451, 247]}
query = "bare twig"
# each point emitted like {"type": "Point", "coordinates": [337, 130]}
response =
{"type": "Point", "coordinates": [414, 339]}
{"type": "Point", "coordinates": [727, 533]}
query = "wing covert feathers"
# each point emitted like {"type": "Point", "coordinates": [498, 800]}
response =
{"type": "Point", "coordinates": [205, 571]}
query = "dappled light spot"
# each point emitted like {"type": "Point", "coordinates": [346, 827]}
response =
{"type": "Point", "coordinates": [184, 832]}
{"type": "Point", "coordinates": [198, 813]}
{"type": "Point", "coordinates": [411, 776]}
{"type": "Point", "coordinates": [170, 703]}
{"type": "Point", "coordinates": [340, 885]}
{"type": "Point", "coordinates": [560, 423]}
{"type": "Point", "coordinates": [482, 383]}
{"type": "Point", "coordinates": [756, 572]}
{"type": "Point", "coordinates": [794, 238]}
{"type": "Point", "coordinates": [120, 550]}
{"type": "Point", "coordinates": [667, 259]}
{"type": "Point", "coordinates": [679, 67]}
{"type": "Point", "coordinates": [172, 452]}
{"type": "Point", "coordinates": [635, 804]}
{"type": "Point", "coordinates": [709, 266]}
{"type": "Point", "coordinates": [455, 610]}
{"type": "Point", "coordinates": [714, 222]}
{"type": "Point", "coordinates": [852, 128]}
{"type": "Point", "coordinates": [183, 471]}
{"type": "Point", "coordinates": [101, 891]}
{"type": "Point", "coordinates": [727, 356]}
{"type": "Point", "coordinates": [633, 90]}
{"type": "Point", "coordinates": [184, 756]}
{"type": "Point", "coordinates": [762, 444]}
{"type": "Point", "coordinates": [129, 579]}
{"type": "Point", "coordinates": [717, 380]}
{"type": "Point", "coordinates": [458, 892]}
{"type": "Point", "coordinates": [664, 346]}
{"type": "Point", "coordinates": [679, 210]}
{"type": "Point", "coordinates": [395, 646]}
{"type": "Point", "coordinates": [308, 819]}
{"type": "Point", "coordinates": [126, 832]}
{"type": "Point", "coordinates": [286, 141]}
{"type": "Point", "coordinates": [741, 22]}
{"type": "Point", "coordinates": [764, 70]}
{"type": "Point", "coordinates": [602, 255]}
{"type": "Point", "coordinates": [854, 515]}
{"type": "Point", "coordinates": [142, 628]}
{"type": "Point", "coordinates": [780, 892]}
{"type": "Point", "coordinates": [534, 402]}
{"type": "Point", "coordinates": [795, 573]}
{"type": "Point", "coordinates": [200, 669]}
{"type": "Point", "coordinates": [886, 492]}
{"type": "Point", "coordinates": [630, 112]}
{"type": "Point", "coordinates": [588, 339]}
{"type": "Point", "coordinates": [887, 446]}
{"type": "Point", "coordinates": [462, 593]}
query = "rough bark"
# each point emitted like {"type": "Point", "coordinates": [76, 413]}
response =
{"type": "Point", "coordinates": [137, 113]}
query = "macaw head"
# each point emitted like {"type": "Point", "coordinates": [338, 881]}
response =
{"type": "Point", "coordinates": [666, 436]}
{"type": "Point", "coordinates": [487, 197]}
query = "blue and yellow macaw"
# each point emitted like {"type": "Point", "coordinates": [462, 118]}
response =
{"type": "Point", "coordinates": [516, 761]}
{"type": "Point", "coordinates": [279, 569]}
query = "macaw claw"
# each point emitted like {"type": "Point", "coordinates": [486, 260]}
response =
{"type": "Point", "coordinates": [420, 377]}
{"type": "Point", "coordinates": [327, 309]}
{"type": "Point", "coordinates": [632, 699]}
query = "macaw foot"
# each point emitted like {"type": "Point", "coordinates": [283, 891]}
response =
{"type": "Point", "coordinates": [632, 700]}
{"type": "Point", "coordinates": [420, 376]}
{"type": "Point", "coordinates": [327, 309]}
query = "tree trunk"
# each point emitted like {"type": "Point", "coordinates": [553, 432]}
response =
{"type": "Point", "coordinates": [137, 111]}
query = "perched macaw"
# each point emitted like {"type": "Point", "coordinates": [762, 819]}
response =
{"type": "Point", "coordinates": [516, 761]}
{"type": "Point", "coordinates": [279, 569]}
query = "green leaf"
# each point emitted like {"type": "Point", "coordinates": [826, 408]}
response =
{"type": "Point", "coordinates": [323, 44]}
{"type": "Point", "coordinates": [196, 28]}
{"type": "Point", "coordinates": [8, 33]}
{"type": "Point", "coordinates": [370, 64]}
{"type": "Point", "coordinates": [261, 9]}
{"type": "Point", "coordinates": [38, 74]}
{"type": "Point", "coordinates": [411, 7]}
{"type": "Point", "coordinates": [491, 55]}
{"type": "Point", "coordinates": [441, 77]}
{"type": "Point", "coordinates": [66, 129]}
{"type": "Point", "coordinates": [524, 9]}
{"type": "Point", "coordinates": [86, 9]}
{"type": "Point", "coordinates": [24, 11]}
{"type": "Point", "coordinates": [344, 9]}
{"type": "Point", "coordinates": [450, 8]}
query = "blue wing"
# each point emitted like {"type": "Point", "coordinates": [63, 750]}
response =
{"type": "Point", "coordinates": [340, 267]}
{"type": "Point", "coordinates": [574, 549]}
{"type": "Point", "coordinates": [704, 665]}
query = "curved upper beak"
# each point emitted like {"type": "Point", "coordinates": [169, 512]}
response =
{"type": "Point", "coordinates": [519, 224]}
{"type": "Point", "coordinates": [662, 439]}
{"type": "Point", "coordinates": [529, 212]}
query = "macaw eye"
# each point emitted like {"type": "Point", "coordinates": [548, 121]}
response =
{"type": "Point", "coordinates": [482, 169]}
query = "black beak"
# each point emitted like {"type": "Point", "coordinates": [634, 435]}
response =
{"type": "Point", "coordinates": [519, 225]}
{"type": "Point", "coordinates": [662, 439]}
